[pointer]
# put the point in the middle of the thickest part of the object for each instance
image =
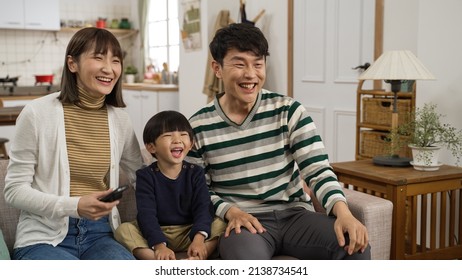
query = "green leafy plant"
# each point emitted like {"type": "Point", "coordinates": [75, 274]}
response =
{"type": "Point", "coordinates": [425, 128]}
{"type": "Point", "coordinates": [130, 69]}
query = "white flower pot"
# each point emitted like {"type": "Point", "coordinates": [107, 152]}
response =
{"type": "Point", "coordinates": [425, 158]}
{"type": "Point", "coordinates": [130, 78]}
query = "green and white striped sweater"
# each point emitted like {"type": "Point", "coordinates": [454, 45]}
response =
{"type": "Point", "coordinates": [257, 165]}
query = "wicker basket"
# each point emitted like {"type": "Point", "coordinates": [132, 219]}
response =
{"type": "Point", "coordinates": [377, 111]}
{"type": "Point", "coordinates": [375, 143]}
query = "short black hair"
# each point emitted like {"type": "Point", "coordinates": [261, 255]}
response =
{"type": "Point", "coordinates": [241, 36]}
{"type": "Point", "coordinates": [166, 121]}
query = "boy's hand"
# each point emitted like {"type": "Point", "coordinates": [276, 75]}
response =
{"type": "Point", "coordinates": [162, 252]}
{"type": "Point", "coordinates": [197, 250]}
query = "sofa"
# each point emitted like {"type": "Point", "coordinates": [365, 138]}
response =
{"type": "Point", "coordinates": [374, 212]}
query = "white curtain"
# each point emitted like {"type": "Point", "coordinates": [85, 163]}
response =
{"type": "Point", "coordinates": [143, 8]}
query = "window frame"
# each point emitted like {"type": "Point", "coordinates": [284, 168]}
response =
{"type": "Point", "coordinates": [169, 44]}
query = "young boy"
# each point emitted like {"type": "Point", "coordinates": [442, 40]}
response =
{"type": "Point", "coordinates": [175, 212]}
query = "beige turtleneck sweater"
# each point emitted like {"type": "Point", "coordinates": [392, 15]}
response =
{"type": "Point", "coordinates": [88, 144]}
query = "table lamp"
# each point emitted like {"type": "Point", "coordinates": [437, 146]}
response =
{"type": "Point", "coordinates": [396, 67]}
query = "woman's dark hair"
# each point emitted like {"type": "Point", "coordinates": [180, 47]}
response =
{"type": "Point", "coordinates": [101, 41]}
{"type": "Point", "coordinates": [166, 121]}
{"type": "Point", "coordinates": [241, 36]}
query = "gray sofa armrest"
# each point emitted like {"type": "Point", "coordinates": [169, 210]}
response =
{"type": "Point", "coordinates": [376, 214]}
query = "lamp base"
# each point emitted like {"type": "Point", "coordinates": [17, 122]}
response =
{"type": "Point", "coordinates": [393, 160]}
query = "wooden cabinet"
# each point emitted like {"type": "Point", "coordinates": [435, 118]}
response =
{"type": "Point", "coordinates": [426, 206]}
{"type": "Point", "coordinates": [143, 104]}
{"type": "Point", "coordinates": [374, 118]}
{"type": "Point", "coordinates": [30, 14]}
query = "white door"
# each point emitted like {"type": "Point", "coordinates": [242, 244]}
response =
{"type": "Point", "coordinates": [331, 37]}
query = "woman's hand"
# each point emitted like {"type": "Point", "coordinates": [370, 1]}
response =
{"type": "Point", "coordinates": [91, 208]}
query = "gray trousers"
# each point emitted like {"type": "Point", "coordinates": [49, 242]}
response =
{"type": "Point", "coordinates": [294, 232]}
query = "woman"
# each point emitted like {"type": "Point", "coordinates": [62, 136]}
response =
{"type": "Point", "coordinates": [66, 155]}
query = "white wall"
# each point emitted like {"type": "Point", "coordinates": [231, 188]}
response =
{"type": "Point", "coordinates": [401, 25]}
{"type": "Point", "coordinates": [431, 30]}
{"type": "Point", "coordinates": [193, 64]}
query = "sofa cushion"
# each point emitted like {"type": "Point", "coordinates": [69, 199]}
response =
{"type": "Point", "coordinates": [4, 252]}
{"type": "Point", "coordinates": [127, 206]}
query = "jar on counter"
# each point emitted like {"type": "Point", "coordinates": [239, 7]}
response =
{"type": "Point", "coordinates": [101, 23]}
{"type": "Point", "coordinates": [115, 23]}
{"type": "Point", "coordinates": [124, 24]}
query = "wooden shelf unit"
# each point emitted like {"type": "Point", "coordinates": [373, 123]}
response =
{"type": "Point", "coordinates": [382, 129]}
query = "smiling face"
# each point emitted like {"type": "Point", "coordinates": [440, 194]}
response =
{"type": "Point", "coordinates": [97, 73]}
{"type": "Point", "coordinates": [170, 149]}
{"type": "Point", "coordinates": [243, 75]}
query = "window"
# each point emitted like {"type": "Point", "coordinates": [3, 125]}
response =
{"type": "Point", "coordinates": [163, 34]}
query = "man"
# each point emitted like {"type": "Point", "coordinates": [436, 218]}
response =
{"type": "Point", "coordinates": [258, 149]}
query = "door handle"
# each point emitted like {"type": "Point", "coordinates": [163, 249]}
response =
{"type": "Point", "coordinates": [364, 66]}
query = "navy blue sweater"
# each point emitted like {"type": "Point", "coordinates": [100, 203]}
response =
{"type": "Point", "coordinates": [162, 201]}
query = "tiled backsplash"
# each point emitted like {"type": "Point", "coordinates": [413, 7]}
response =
{"type": "Point", "coordinates": [26, 53]}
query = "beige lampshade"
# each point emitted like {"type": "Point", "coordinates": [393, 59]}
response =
{"type": "Point", "coordinates": [397, 65]}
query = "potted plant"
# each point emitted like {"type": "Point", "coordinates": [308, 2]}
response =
{"type": "Point", "coordinates": [425, 133]}
{"type": "Point", "coordinates": [130, 72]}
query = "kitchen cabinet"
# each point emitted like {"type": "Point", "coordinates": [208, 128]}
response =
{"type": "Point", "coordinates": [11, 14]}
{"type": "Point", "coordinates": [143, 104]}
{"type": "Point", "coordinates": [30, 14]}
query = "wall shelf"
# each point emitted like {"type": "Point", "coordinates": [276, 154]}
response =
{"type": "Point", "coordinates": [119, 33]}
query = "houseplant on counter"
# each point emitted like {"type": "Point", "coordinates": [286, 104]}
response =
{"type": "Point", "coordinates": [130, 72]}
{"type": "Point", "coordinates": [426, 133]}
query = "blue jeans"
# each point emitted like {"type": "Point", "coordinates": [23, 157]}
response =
{"type": "Point", "coordinates": [85, 240]}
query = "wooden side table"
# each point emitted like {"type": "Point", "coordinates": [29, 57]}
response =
{"type": "Point", "coordinates": [427, 210]}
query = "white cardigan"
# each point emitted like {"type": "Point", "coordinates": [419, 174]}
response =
{"type": "Point", "coordinates": [38, 180]}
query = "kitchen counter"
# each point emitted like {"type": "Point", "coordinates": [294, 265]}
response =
{"type": "Point", "coordinates": [8, 115]}
{"type": "Point", "coordinates": [150, 87]}
{"type": "Point", "coordinates": [36, 91]}
{"type": "Point", "coordinates": [21, 95]}
{"type": "Point", "coordinates": [16, 91]}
